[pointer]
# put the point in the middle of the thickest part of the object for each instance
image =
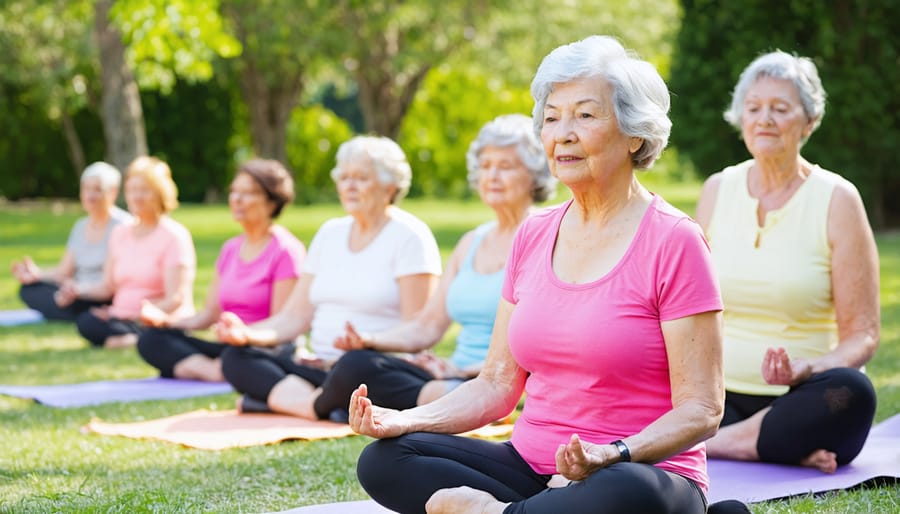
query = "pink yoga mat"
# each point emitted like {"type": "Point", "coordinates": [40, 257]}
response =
{"type": "Point", "coordinates": [93, 393]}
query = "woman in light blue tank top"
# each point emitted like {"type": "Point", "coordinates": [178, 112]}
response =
{"type": "Point", "coordinates": [507, 166]}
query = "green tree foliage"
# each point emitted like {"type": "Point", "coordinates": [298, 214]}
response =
{"type": "Point", "coordinates": [856, 47]}
{"type": "Point", "coordinates": [445, 117]}
{"type": "Point", "coordinates": [314, 134]}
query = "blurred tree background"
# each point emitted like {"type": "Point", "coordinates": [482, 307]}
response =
{"type": "Point", "coordinates": [205, 84]}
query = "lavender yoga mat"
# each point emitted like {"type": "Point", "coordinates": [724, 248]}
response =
{"type": "Point", "coordinates": [93, 393]}
{"type": "Point", "coordinates": [20, 317]}
{"type": "Point", "coordinates": [747, 481]}
{"type": "Point", "coordinates": [754, 481]}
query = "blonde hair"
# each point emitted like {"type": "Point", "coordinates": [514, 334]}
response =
{"type": "Point", "coordinates": [159, 176]}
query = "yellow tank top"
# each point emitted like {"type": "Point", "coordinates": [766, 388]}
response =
{"type": "Point", "coordinates": [775, 279]}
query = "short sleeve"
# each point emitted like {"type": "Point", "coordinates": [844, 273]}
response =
{"type": "Point", "coordinates": [180, 251]}
{"type": "Point", "coordinates": [289, 261]}
{"type": "Point", "coordinates": [686, 279]}
{"type": "Point", "coordinates": [418, 254]}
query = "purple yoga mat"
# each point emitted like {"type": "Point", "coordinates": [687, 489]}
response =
{"type": "Point", "coordinates": [754, 481]}
{"type": "Point", "coordinates": [747, 481]}
{"type": "Point", "coordinates": [20, 317]}
{"type": "Point", "coordinates": [93, 393]}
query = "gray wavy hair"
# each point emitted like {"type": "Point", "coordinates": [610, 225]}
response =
{"type": "Point", "coordinates": [640, 97]}
{"type": "Point", "coordinates": [799, 71]}
{"type": "Point", "coordinates": [109, 176]}
{"type": "Point", "coordinates": [390, 162]}
{"type": "Point", "coordinates": [513, 130]}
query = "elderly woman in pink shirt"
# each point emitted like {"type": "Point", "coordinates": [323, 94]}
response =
{"type": "Point", "coordinates": [151, 258]}
{"type": "Point", "coordinates": [255, 274]}
{"type": "Point", "coordinates": [609, 321]}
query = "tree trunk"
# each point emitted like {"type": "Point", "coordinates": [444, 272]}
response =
{"type": "Point", "coordinates": [383, 103]}
{"type": "Point", "coordinates": [73, 144]}
{"type": "Point", "coordinates": [270, 106]}
{"type": "Point", "coordinates": [120, 103]}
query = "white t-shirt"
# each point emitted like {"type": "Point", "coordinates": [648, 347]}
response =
{"type": "Point", "coordinates": [361, 287]}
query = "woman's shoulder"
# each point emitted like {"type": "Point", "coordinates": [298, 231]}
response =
{"type": "Point", "coordinates": [175, 228]}
{"type": "Point", "coordinates": [410, 223]}
{"type": "Point", "coordinates": [285, 239]}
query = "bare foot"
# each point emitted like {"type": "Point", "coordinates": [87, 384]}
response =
{"type": "Point", "coordinates": [295, 397]}
{"type": "Point", "coordinates": [823, 460]}
{"type": "Point", "coordinates": [463, 500]}
{"type": "Point", "coordinates": [738, 440]}
{"type": "Point", "coordinates": [121, 341]}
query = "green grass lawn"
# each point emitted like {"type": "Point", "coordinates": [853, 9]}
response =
{"type": "Point", "coordinates": [48, 465]}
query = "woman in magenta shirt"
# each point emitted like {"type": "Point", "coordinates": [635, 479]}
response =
{"type": "Point", "coordinates": [609, 320]}
{"type": "Point", "coordinates": [255, 273]}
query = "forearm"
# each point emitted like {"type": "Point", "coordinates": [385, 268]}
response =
{"type": "Point", "coordinates": [473, 404]}
{"type": "Point", "coordinates": [409, 336]}
{"type": "Point", "coordinates": [852, 352]}
{"type": "Point", "coordinates": [677, 430]}
{"type": "Point", "coordinates": [95, 291]}
{"type": "Point", "coordinates": [277, 329]}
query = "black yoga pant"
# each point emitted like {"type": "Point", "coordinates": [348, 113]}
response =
{"type": "Point", "coordinates": [832, 410]}
{"type": "Point", "coordinates": [96, 330]}
{"type": "Point", "coordinates": [402, 474]}
{"type": "Point", "coordinates": [163, 348]}
{"type": "Point", "coordinates": [254, 371]}
{"type": "Point", "coordinates": [39, 296]}
{"type": "Point", "coordinates": [392, 382]}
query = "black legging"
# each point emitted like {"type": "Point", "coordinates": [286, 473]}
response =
{"type": "Point", "coordinates": [163, 348]}
{"type": "Point", "coordinates": [402, 474]}
{"type": "Point", "coordinates": [39, 296]}
{"type": "Point", "coordinates": [96, 330]}
{"type": "Point", "coordinates": [393, 382]}
{"type": "Point", "coordinates": [832, 410]}
{"type": "Point", "coordinates": [254, 371]}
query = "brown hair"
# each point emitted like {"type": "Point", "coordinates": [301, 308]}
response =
{"type": "Point", "coordinates": [275, 180]}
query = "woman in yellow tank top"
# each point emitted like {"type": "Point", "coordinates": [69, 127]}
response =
{"type": "Point", "coordinates": [798, 268]}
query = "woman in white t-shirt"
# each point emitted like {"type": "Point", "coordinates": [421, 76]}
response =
{"type": "Point", "coordinates": [374, 268]}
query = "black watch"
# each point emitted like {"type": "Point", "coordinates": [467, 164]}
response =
{"type": "Point", "coordinates": [624, 452]}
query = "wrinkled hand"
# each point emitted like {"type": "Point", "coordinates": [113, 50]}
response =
{"type": "Point", "coordinates": [577, 459]}
{"type": "Point", "coordinates": [779, 369]}
{"type": "Point", "coordinates": [231, 330]}
{"type": "Point", "coordinates": [351, 340]}
{"type": "Point", "coordinates": [152, 316]}
{"type": "Point", "coordinates": [26, 271]}
{"type": "Point", "coordinates": [371, 420]}
{"type": "Point", "coordinates": [438, 367]}
{"type": "Point", "coordinates": [66, 294]}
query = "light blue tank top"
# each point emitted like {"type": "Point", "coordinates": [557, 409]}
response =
{"type": "Point", "coordinates": [472, 302]}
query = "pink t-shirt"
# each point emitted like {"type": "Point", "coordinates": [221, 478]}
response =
{"type": "Point", "coordinates": [245, 287]}
{"type": "Point", "coordinates": [595, 352]}
{"type": "Point", "coordinates": [139, 265]}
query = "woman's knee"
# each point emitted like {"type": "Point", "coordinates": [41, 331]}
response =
{"type": "Point", "coordinates": [92, 328]}
{"type": "Point", "coordinates": [375, 458]}
{"type": "Point", "coordinates": [847, 389]}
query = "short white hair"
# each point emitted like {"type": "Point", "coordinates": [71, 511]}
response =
{"type": "Point", "coordinates": [799, 71]}
{"type": "Point", "coordinates": [109, 175]}
{"type": "Point", "coordinates": [640, 97]}
{"type": "Point", "coordinates": [390, 162]}
{"type": "Point", "coordinates": [513, 130]}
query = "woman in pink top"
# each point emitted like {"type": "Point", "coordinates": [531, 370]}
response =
{"type": "Point", "coordinates": [255, 273]}
{"type": "Point", "coordinates": [609, 320]}
{"type": "Point", "coordinates": [151, 258]}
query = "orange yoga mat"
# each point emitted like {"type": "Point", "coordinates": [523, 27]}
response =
{"type": "Point", "coordinates": [220, 430]}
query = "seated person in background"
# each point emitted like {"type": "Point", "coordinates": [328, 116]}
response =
{"type": "Point", "coordinates": [374, 268]}
{"type": "Point", "coordinates": [255, 273]}
{"type": "Point", "coordinates": [798, 268]}
{"type": "Point", "coordinates": [150, 258]}
{"type": "Point", "coordinates": [609, 321]}
{"type": "Point", "coordinates": [508, 168]}
{"type": "Point", "coordinates": [85, 252]}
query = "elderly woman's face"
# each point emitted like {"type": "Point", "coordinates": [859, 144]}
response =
{"type": "Point", "coordinates": [248, 201]}
{"type": "Point", "coordinates": [773, 121]}
{"type": "Point", "coordinates": [503, 180]}
{"type": "Point", "coordinates": [94, 198]}
{"type": "Point", "coordinates": [141, 198]}
{"type": "Point", "coordinates": [581, 135]}
{"type": "Point", "coordinates": [360, 191]}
